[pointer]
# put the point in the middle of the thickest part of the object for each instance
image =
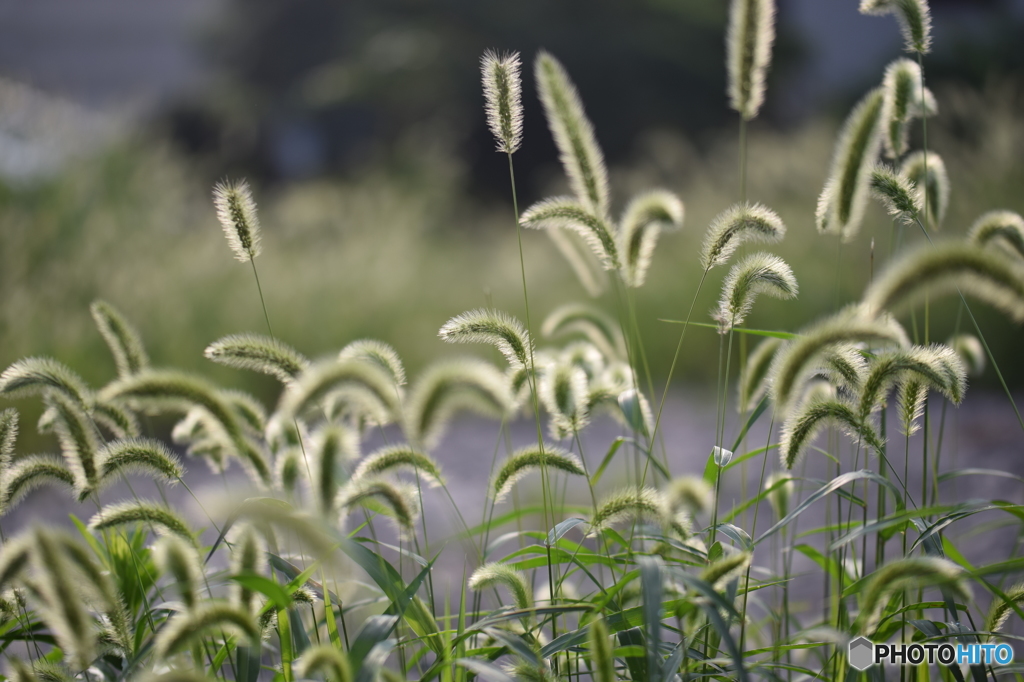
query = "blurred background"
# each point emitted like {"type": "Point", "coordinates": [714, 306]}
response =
{"type": "Point", "coordinates": [384, 207]}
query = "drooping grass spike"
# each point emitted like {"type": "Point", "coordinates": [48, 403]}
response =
{"type": "Point", "coordinates": [563, 391]}
{"type": "Point", "coordinates": [8, 436]}
{"type": "Point", "coordinates": [258, 353]}
{"type": "Point", "coordinates": [914, 18]}
{"type": "Point", "coordinates": [843, 365]}
{"type": "Point", "coordinates": [115, 418]}
{"type": "Point", "coordinates": [36, 376]}
{"type": "Point", "coordinates": [236, 211]}
{"type": "Point", "coordinates": [911, 398]}
{"type": "Point", "coordinates": [901, 198]}
{"type": "Point", "coordinates": [944, 269]}
{"type": "Point", "coordinates": [1004, 229]}
{"type": "Point", "coordinates": [568, 214]}
{"type": "Point", "coordinates": [932, 180]}
{"type": "Point", "coordinates": [754, 376]}
{"type": "Point", "coordinates": [448, 387]}
{"type": "Point", "coordinates": [378, 352]}
{"type": "Point", "coordinates": [645, 217]}
{"type": "Point", "coordinates": [904, 101]}
{"type": "Point", "coordinates": [324, 660]}
{"type": "Point", "coordinates": [322, 378]}
{"type": "Point", "coordinates": [121, 337]}
{"type": "Point", "coordinates": [393, 458]}
{"type": "Point", "coordinates": [248, 556]}
{"type": "Point", "coordinates": [497, 574]}
{"type": "Point", "coordinates": [333, 444]}
{"type": "Point", "coordinates": [971, 352]}
{"type": "Point", "coordinates": [184, 629]}
{"type": "Point", "coordinates": [163, 520]}
{"type": "Point", "coordinates": [907, 573]}
{"type": "Point", "coordinates": [573, 134]}
{"type": "Point", "coordinates": [79, 442]}
{"type": "Point", "coordinates": [749, 41]}
{"type": "Point", "coordinates": [503, 97]}
{"type": "Point", "coordinates": [27, 474]}
{"type": "Point", "coordinates": [591, 322]}
{"type": "Point", "coordinates": [804, 424]}
{"type": "Point", "coordinates": [937, 367]}
{"type": "Point", "coordinates": [138, 455]}
{"type": "Point", "coordinates": [533, 458]}
{"type": "Point", "coordinates": [492, 327]}
{"type": "Point", "coordinates": [178, 558]}
{"type": "Point", "coordinates": [65, 610]}
{"type": "Point", "coordinates": [758, 273]}
{"type": "Point", "coordinates": [723, 571]}
{"type": "Point", "coordinates": [842, 202]}
{"type": "Point", "coordinates": [1001, 608]}
{"type": "Point", "coordinates": [630, 504]}
{"type": "Point", "coordinates": [392, 499]}
{"type": "Point", "coordinates": [738, 224]}
{"type": "Point", "coordinates": [689, 494]}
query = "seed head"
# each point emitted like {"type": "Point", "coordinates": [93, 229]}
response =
{"type": "Point", "coordinates": [503, 96]}
{"type": "Point", "coordinates": [236, 212]}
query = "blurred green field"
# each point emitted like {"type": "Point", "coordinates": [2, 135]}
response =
{"type": "Point", "coordinates": [397, 251]}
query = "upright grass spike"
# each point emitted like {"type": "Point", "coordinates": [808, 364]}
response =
{"type": "Point", "coordinates": [798, 359]}
{"type": "Point", "coordinates": [588, 268]}
{"type": "Point", "coordinates": [804, 424]}
{"type": "Point", "coordinates": [124, 341]}
{"type": "Point", "coordinates": [503, 97]}
{"type": "Point", "coordinates": [8, 436]}
{"type": "Point", "coordinates": [568, 214]}
{"type": "Point", "coordinates": [564, 393]}
{"type": "Point", "coordinates": [248, 555]}
{"type": "Point", "coordinates": [634, 504]}
{"type": "Point", "coordinates": [236, 212]}
{"type": "Point", "coordinates": [79, 442]}
{"type": "Point", "coordinates": [446, 388]}
{"type": "Point", "coordinates": [591, 322]}
{"type": "Point", "coordinates": [842, 202]}
{"type": "Point", "coordinates": [324, 660]}
{"type": "Point", "coordinates": [165, 521]}
{"type": "Point", "coordinates": [753, 381]}
{"type": "Point", "coordinates": [65, 611]}
{"type": "Point", "coordinates": [758, 273]}
{"type": "Point", "coordinates": [378, 352]}
{"type": "Point", "coordinates": [1000, 228]}
{"type": "Point", "coordinates": [914, 18]}
{"type": "Point", "coordinates": [36, 376]}
{"type": "Point", "coordinates": [497, 574]}
{"type": "Point", "coordinates": [573, 134]}
{"type": "Point", "coordinates": [738, 224]}
{"type": "Point", "coordinates": [933, 180]}
{"type": "Point", "coordinates": [533, 458]}
{"type": "Point", "coordinates": [178, 559]}
{"type": "Point", "coordinates": [690, 494]}
{"type": "Point", "coordinates": [937, 367]}
{"type": "Point", "coordinates": [910, 402]}
{"type": "Point", "coordinates": [723, 571]}
{"type": "Point", "coordinates": [393, 458]}
{"type": "Point", "coordinates": [971, 352]}
{"type": "Point", "coordinates": [645, 217]}
{"type": "Point", "coordinates": [139, 455]}
{"type": "Point", "coordinates": [258, 353]}
{"type": "Point", "coordinates": [333, 444]}
{"type": "Point", "coordinates": [1001, 608]}
{"type": "Point", "coordinates": [901, 198]}
{"type": "Point", "coordinates": [600, 649]}
{"type": "Point", "coordinates": [399, 503]}
{"type": "Point", "coordinates": [907, 573]}
{"type": "Point", "coordinates": [326, 376]}
{"type": "Point", "coordinates": [944, 269]}
{"type": "Point", "coordinates": [27, 474]}
{"type": "Point", "coordinates": [172, 390]}
{"type": "Point", "coordinates": [749, 41]}
{"type": "Point", "coordinates": [212, 617]}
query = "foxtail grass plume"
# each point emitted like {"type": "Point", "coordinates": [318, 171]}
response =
{"type": "Point", "coordinates": [645, 217]}
{"type": "Point", "coordinates": [690, 494]}
{"type": "Point", "coordinates": [503, 97]}
{"type": "Point", "coordinates": [492, 327]}
{"type": "Point", "coordinates": [602, 659]}
{"type": "Point", "coordinates": [8, 436]}
{"type": "Point", "coordinates": [65, 611]}
{"type": "Point", "coordinates": [322, 378]}
{"type": "Point", "coordinates": [117, 419]}
{"type": "Point", "coordinates": [1003, 229]}
{"type": "Point", "coordinates": [289, 470]}
{"type": "Point", "coordinates": [754, 375]}
{"type": "Point", "coordinates": [907, 573]}
{"type": "Point", "coordinates": [914, 17]}
{"type": "Point", "coordinates": [749, 52]}
{"type": "Point", "coordinates": [1001, 608]}
{"type": "Point", "coordinates": [843, 365]}
{"type": "Point", "coordinates": [248, 556]}
{"type": "Point", "coordinates": [911, 399]}
{"type": "Point", "coordinates": [249, 410]}
{"type": "Point", "coordinates": [580, 318]}
{"type": "Point", "coordinates": [533, 458]}
{"type": "Point", "coordinates": [36, 376]}
{"type": "Point", "coordinates": [178, 559]}
{"type": "Point", "coordinates": [947, 268]}
{"type": "Point", "coordinates": [79, 442]}
{"type": "Point", "coordinates": [841, 204]}
{"type": "Point", "coordinates": [121, 337]}
{"type": "Point", "coordinates": [573, 133]}
{"type": "Point", "coordinates": [901, 198]}
{"type": "Point", "coordinates": [568, 214]}
{"type": "Point", "coordinates": [798, 359]}
{"type": "Point", "coordinates": [258, 353]}
{"type": "Point", "coordinates": [563, 392]}
{"type": "Point", "coordinates": [780, 488]}
{"type": "Point", "coordinates": [394, 458]}
{"type": "Point", "coordinates": [500, 575]}
{"type": "Point", "coordinates": [324, 660]}
{"type": "Point", "coordinates": [759, 273]}
{"type": "Point", "coordinates": [158, 517]}
{"type": "Point", "coordinates": [395, 501]}
{"type": "Point", "coordinates": [738, 224]}
{"type": "Point", "coordinates": [236, 212]}
{"type": "Point", "coordinates": [333, 444]}
{"type": "Point", "coordinates": [446, 388]}
{"type": "Point", "coordinates": [27, 474]}
{"type": "Point", "coordinates": [905, 100]}
{"type": "Point", "coordinates": [970, 351]}
{"type": "Point", "coordinates": [188, 628]}
{"type": "Point", "coordinates": [639, 504]}
{"type": "Point", "coordinates": [377, 352]}
{"type": "Point", "coordinates": [937, 367]}
{"type": "Point", "coordinates": [928, 173]}
{"type": "Point", "coordinates": [138, 456]}
{"type": "Point", "coordinates": [726, 569]}
{"type": "Point", "coordinates": [807, 421]}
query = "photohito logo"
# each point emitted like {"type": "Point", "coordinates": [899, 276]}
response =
{"type": "Point", "coordinates": [863, 653]}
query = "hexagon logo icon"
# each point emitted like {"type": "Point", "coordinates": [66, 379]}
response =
{"type": "Point", "coordinates": [862, 653]}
